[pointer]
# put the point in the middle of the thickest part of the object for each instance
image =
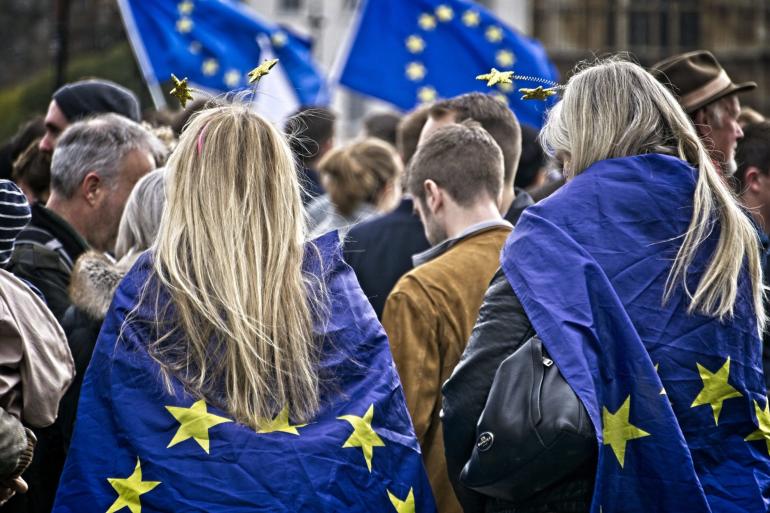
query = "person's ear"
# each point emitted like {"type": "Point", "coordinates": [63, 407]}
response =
{"type": "Point", "coordinates": [752, 180]}
{"type": "Point", "coordinates": [434, 196]}
{"type": "Point", "coordinates": [91, 188]}
{"type": "Point", "coordinates": [701, 123]}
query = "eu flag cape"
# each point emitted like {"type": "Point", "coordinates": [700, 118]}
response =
{"type": "Point", "coordinates": [677, 400]}
{"type": "Point", "coordinates": [138, 448]}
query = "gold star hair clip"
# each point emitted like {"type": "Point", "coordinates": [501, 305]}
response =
{"type": "Point", "coordinates": [181, 90]}
{"type": "Point", "coordinates": [261, 70]}
{"type": "Point", "coordinates": [537, 93]}
{"type": "Point", "coordinates": [495, 77]}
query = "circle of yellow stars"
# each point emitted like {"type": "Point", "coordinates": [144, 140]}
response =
{"type": "Point", "coordinates": [415, 70]}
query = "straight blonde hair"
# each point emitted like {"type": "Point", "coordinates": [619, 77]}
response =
{"type": "Point", "coordinates": [229, 252]}
{"type": "Point", "coordinates": [615, 108]}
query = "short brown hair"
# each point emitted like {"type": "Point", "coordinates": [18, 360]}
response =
{"type": "Point", "coordinates": [408, 132]}
{"type": "Point", "coordinates": [496, 118]}
{"type": "Point", "coordinates": [463, 159]}
{"type": "Point", "coordinates": [33, 168]}
{"type": "Point", "coordinates": [358, 172]}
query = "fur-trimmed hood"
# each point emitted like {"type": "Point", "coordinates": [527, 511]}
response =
{"type": "Point", "coordinates": [94, 280]}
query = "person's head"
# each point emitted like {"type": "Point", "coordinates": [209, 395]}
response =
{"type": "Point", "coordinates": [710, 97]}
{"type": "Point", "coordinates": [311, 134]}
{"type": "Point", "coordinates": [753, 174]}
{"type": "Point", "coordinates": [749, 116]}
{"type": "Point", "coordinates": [79, 100]}
{"type": "Point", "coordinates": [614, 109]}
{"type": "Point", "coordinates": [408, 132]}
{"type": "Point", "coordinates": [141, 217]}
{"type": "Point", "coordinates": [95, 165]}
{"type": "Point", "coordinates": [458, 167]}
{"type": "Point", "coordinates": [496, 118]}
{"type": "Point", "coordinates": [364, 171]}
{"type": "Point", "coordinates": [32, 172]}
{"type": "Point", "coordinates": [531, 171]}
{"type": "Point", "coordinates": [229, 252]}
{"type": "Point", "coordinates": [382, 125]}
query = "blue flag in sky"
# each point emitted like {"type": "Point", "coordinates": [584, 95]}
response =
{"type": "Point", "coordinates": [137, 447]}
{"type": "Point", "coordinates": [678, 401]}
{"type": "Point", "coordinates": [215, 43]}
{"type": "Point", "coordinates": [409, 52]}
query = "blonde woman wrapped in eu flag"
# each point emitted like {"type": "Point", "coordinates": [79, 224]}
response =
{"type": "Point", "coordinates": [241, 368]}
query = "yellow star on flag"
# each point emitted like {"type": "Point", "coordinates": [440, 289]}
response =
{"type": "Point", "coordinates": [505, 87]}
{"type": "Point", "coordinates": [716, 390]}
{"type": "Point", "coordinates": [494, 34]}
{"type": "Point", "coordinates": [363, 435]}
{"type": "Point", "coordinates": [261, 70]}
{"type": "Point", "coordinates": [617, 431]}
{"type": "Point", "coordinates": [185, 7]}
{"type": "Point", "coordinates": [495, 77]}
{"type": "Point", "coordinates": [763, 419]}
{"type": "Point", "coordinates": [279, 39]}
{"type": "Point", "coordinates": [181, 91]}
{"type": "Point", "coordinates": [280, 424]}
{"type": "Point", "coordinates": [415, 44]}
{"type": "Point", "coordinates": [403, 506]}
{"type": "Point", "coordinates": [210, 67]}
{"type": "Point", "coordinates": [471, 18]}
{"type": "Point", "coordinates": [426, 94]}
{"type": "Point", "coordinates": [505, 58]}
{"type": "Point", "coordinates": [184, 25]}
{"type": "Point", "coordinates": [500, 97]}
{"type": "Point", "coordinates": [130, 489]}
{"type": "Point", "coordinates": [195, 423]}
{"type": "Point", "coordinates": [415, 71]}
{"type": "Point", "coordinates": [426, 21]}
{"type": "Point", "coordinates": [233, 78]}
{"type": "Point", "coordinates": [444, 13]}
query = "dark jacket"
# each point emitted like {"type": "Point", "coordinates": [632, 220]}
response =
{"type": "Point", "coordinates": [520, 203]}
{"type": "Point", "coordinates": [44, 255]}
{"type": "Point", "coordinates": [16, 446]}
{"type": "Point", "coordinates": [380, 251]}
{"type": "Point", "coordinates": [501, 328]}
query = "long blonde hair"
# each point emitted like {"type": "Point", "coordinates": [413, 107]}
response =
{"type": "Point", "coordinates": [230, 251]}
{"type": "Point", "coordinates": [614, 108]}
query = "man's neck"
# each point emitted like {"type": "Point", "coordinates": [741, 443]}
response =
{"type": "Point", "coordinates": [67, 211]}
{"type": "Point", "coordinates": [460, 219]}
{"type": "Point", "coordinates": [507, 200]}
{"type": "Point", "coordinates": [754, 207]}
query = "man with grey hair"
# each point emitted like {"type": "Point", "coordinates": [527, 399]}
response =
{"type": "Point", "coordinates": [95, 165]}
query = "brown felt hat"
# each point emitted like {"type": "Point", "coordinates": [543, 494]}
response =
{"type": "Point", "coordinates": [697, 79]}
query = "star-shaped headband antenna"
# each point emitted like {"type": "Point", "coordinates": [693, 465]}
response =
{"type": "Point", "coordinates": [181, 90]}
{"type": "Point", "coordinates": [537, 93]}
{"type": "Point", "coordinates": [495, 77]}
{"type": "Point", "coordinates": [261, 70]}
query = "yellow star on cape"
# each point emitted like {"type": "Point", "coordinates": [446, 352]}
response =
{"type": "Point", "coordinates": [415, 44]}
{"type": "Point", "coordinates": [185, 7]}
{"type": "Point", "coordinates": [716, 390]}
{"type": "Point", "coordinates": [617, 431]}
{"type": "Point", "coordinates": [195, 423]}
{"type": "Point", "coordinates": [763, 419]}
{"type": "Point", "coordinates": [415, 71]}
{"type": "Point", "coordinates": [181, 90]}
{"type": "Point", "coordinates": [280, 424]}
{"type": "Point", "coordinates": [130, 489]}
{"type": "Point", "coordinates": [426, 21]}
{"type": "Point", "coordinates": [363, 435]}
{"type": "Point", "coordinates": [210, 67]}
{"type": "Point", "coordinates": [426, 94]}
{"type": "Point", "coordinates": [471, 18]}
{"type": "Point", "coordinates": [261, 70]}
{"type": "Point", "coordinates": [537, 93]}
{"type": "Point", "coordinates": [184, 25]}
{"type": "Point", "coordinates": [505, 58]}
{"type": "Point", "coordinates": [279, 39]}
{"type": "Point", "coordinates": [444, 13]}
{"type": "Point", "coordinates": [494, 34]}
{"type": "Point", "coordinates": [663, 389]}
{"type": "Point", "coordinates": [496, 77]}
{"type": "Point", "coordinates": [403, 506]}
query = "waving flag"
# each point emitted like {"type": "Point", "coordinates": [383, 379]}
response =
{"type": "Point", "coordinates": [678, 401]}
{"type": "Point", "coordinates": [138, 448]}
{"type": "Point", "coordinates": [215, 43]}
{"type": "Point", "coordinates": [409, 52]}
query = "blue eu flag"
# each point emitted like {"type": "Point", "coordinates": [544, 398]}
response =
{"type": "Point", "coordinates": [138, 447]}
{"type": "Point", "coordinates": [215, 43]}
{"type": "Point", "coordinates": [677, 400]}
{"type": "Point", "coordinates": [409, 52]}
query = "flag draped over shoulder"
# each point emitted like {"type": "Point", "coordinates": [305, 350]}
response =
{"type": "Point", "coordinates": [138, 448]}
{"type": "Point", "coordinates": [215, 43]}
{"type": "Point", "coordinates": [409, 52]}
{"type": "Point", "coordinates": [677, 400]}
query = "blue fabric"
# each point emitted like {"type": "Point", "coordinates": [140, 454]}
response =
{"type": "Point", "coordinates": [180, 40]}
{"type": "Point", "coordinates": [122, 417]}
{"type": "Point", "coordinates": [454, 52]}
{"type": "Point", "coordinates": [589, 265]}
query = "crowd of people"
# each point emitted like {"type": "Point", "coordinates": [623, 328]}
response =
{"type": "Point", "coordinates": [451, 312]}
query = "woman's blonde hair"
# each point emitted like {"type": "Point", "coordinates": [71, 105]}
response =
{"type": "Point", "coordinates": [230, 252]}
{"type": "Point", "coordinates": [614, 108]}
{"type": "Point", "coordinates": [358, 173]}
{"type": "Point", "coordinates": [141, 218]}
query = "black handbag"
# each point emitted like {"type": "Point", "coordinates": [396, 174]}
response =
{"type": "Point", "coordinates": [533, 432]}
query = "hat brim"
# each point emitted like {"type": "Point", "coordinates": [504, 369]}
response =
{"type": "Point", "coordinates": [730, 89]}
